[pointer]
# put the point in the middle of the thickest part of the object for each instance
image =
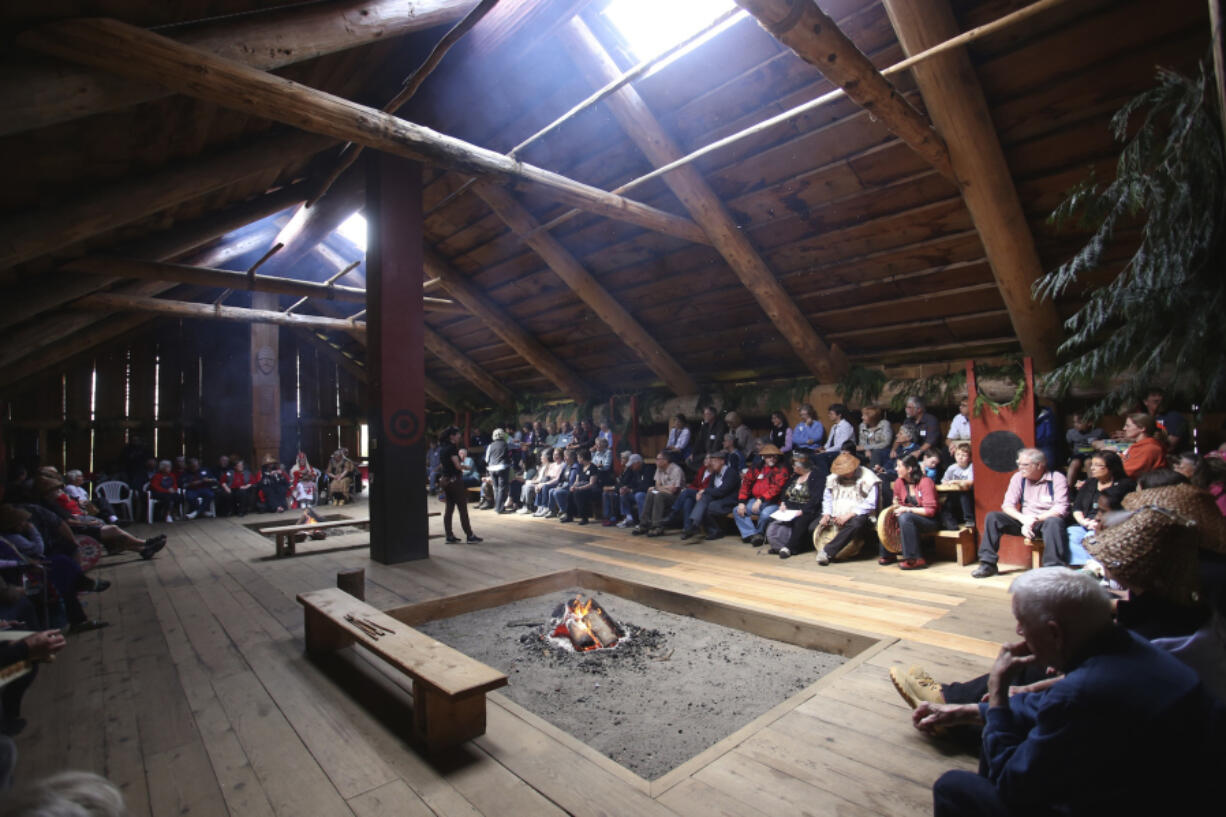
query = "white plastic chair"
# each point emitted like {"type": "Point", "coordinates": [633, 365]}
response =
{"type": "Point", "coordinates": [119, 495]}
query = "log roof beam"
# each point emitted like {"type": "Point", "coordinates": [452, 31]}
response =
{"type": "Point", "coordinates": [607, 308]}
{"type": "Point", "coordinates": [470, 371]}
{"type": "Point", "coordinates": [817, 39]}
{"type": "Point", "coordinates": [43, 94]}
{"type": "Point", "coordinates": [115, 302]}
{"type": "Point", "coordinates": [51, 229]}
{"type": "Point", "coordinates": [506, 327]}
{"type": "Point", "coordinates": [228, 279]}
{"type": "Point", "coordinates": [706, 208]}
{"type": "Point", "coordinates": [143, 55]}
{"type": "Point", "coordinates": [955, 99]}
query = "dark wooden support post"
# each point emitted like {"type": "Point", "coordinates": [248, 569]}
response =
{"type": "Point", "coordinates": [265, 383]}
{"type": "Point", "coordinates": [395, 324]}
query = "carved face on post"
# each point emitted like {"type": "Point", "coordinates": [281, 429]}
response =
{"type": "Point", "coordinates": [265, 361]}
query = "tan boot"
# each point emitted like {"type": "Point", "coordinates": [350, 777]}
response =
{"type": "Point", "coordinates": [915, 686]}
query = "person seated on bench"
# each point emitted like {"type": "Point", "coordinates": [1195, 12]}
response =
{"type": "Point", "coordinates": [959, 427]}
{"type": "Point", "coordinates": [760, 494]}
{"type": "Point", "coordinates": [243, 488]}
{"type": "Point", "coordinates": [558, 470]}
{"type": "Point", "coordinates": [683, 506]}
{"type": "Point", "coordinates": [341, 472]}
{"type": "Point", "coordinates": [632, 488]}
{"type": "Point", "coordinates": [576, 500]}
{"type": "Point", "coordinates": [802, 496]}
{"type": "Point", "coordinates": [80, 523]}
{"type": "Point", "coordinates": [958, 509]}
{"type": "Point", "coordinates": [1125, 727]}
{"type": "Point", "coordinates": [716, 500]}
{"type": "Point", "coordinates": [850, 498]}
{"type": "Point", "coordinates": [1105, 489]}
{"type": "Point", "coordinates": [198, 485]}
{"type": "Point", "coordinates": [1034, 506]}
{"type": "Point", "coordinates": [876, 437]}
{"type": "Point", "coordinates": [668, 481]}
{"type": "Point", "coordinates": [915, 505]}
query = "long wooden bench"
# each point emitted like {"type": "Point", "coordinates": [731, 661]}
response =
{"type": "Point", "coordinates": [285, 533]}
{"type": "Point", "coordinates": [448, 687]}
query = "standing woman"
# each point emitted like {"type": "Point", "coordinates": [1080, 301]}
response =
{"type": "Point", "coordinates": [453, 486]}
{"type": "Point", "coordinates": [498, 466]}
{"type": "Point", "coordinates": [915, 505]}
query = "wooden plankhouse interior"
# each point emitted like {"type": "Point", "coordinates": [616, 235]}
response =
{"type": "Point", "coordinates": [900, 220]}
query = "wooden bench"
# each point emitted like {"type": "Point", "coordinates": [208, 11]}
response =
{"type": "Point", "coordinates": [285, 533]}
{"type": "Point", "coordinates": [1020, 552]}
{"type": "Point", "coordinates": [448, 687]}
{"type": "Point", "coordinates": [962, 545]}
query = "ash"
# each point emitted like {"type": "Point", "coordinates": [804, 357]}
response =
{"type": "Point", "coordinates": [671, 688]}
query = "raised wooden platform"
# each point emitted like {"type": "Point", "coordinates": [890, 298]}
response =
{"type": "Point", "coordinates": [199, 696]}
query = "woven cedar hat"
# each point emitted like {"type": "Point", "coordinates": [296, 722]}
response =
{"type": "Point", "coordinates": [770, 450]}
{"type": "Point", "coordinates": [1153, 550]}
{"type": "Point", "coordinates": [1191, 502]}
{"type": "Point", "coordinates": [845, 464]}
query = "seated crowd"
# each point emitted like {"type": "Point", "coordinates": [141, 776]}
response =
{"type": "Point", "coordinates": [824, 485]}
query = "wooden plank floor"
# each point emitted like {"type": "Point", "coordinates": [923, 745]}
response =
{"type": "Point", "coordinates": [198, 697]}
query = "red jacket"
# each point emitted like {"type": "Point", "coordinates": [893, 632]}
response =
{"type": "Point", "coordinates": [701, 480]}
{"type": "Point", "coordinates": [764, 483]}
{"type": "Point", "coordinates": [241, 479]}
{"type": "Point", "coordinates": [163, 483]}
{"type": "Point", "coordinates": [1143, 456]}
{"type": "Point", "coordinates": [925, 491]}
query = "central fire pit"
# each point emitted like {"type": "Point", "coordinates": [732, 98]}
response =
{"type": "Point", "coordinates": [673, 679]}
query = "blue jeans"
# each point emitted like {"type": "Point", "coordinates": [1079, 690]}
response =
{"type": "Point", "coordinates": [683, 507]}
{"type": "Point", "coordinates": [746, 526]}
{"type": "Point", "coordinates": [1078, 555]}
{"type": "Point", "coordinates": [632, 504]}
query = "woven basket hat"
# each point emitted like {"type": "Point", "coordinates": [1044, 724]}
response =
{"type": "Point", "coordinates": [1153, 550]}
{"type": "Point", "coordinates": [1191, 502]}
{"type": "Point", "coordinates": [845, 464]}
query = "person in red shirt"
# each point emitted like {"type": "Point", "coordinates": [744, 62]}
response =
{"type": "Point", "coordinates": [761, 490]}
{"type": "Point", "coordinates": [242, 487]}
{"type": "Point", "coordinates": [1148, 450]}
{"type": "Point", "coordinates": [915, 505]}
{"type": "Point", "coordinates": [164, 488]}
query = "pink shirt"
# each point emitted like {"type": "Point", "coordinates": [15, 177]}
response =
{"type": "Point", "coordinates": [1048, 494]}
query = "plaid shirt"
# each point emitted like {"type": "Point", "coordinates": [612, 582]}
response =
{"type": "Point", "coordinates": [764, 483]}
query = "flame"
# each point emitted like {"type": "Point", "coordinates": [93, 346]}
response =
{"type": "Point", "coordinates": [577, 612]}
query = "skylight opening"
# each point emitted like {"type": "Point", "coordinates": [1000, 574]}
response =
{"type": "Point", "coordinates": [651, 26]}
{"type": "Point", "coordinates": [354, 229]}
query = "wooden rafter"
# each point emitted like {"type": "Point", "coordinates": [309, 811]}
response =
{"type": "Point", "coordinates": [37, 298]}
{"type": "Point", "coordinates": [182, 274]}
{"type": "Point", "coordinates": [955, 99]}
{"type": "Point", "coordinates": [817, 39]}
{"type": "Point", "coordinates": [110, 206]}
{"type": "Point", "coordinates": [311, 225]}
{"type": "Point", "coordinates": [470, 371]}
{"type": "Point", "coordinates": [138, 54]}
{"type": "Point", "coordinates": [506, 327]}
{"type": "Point", "coordinates": [607, 308]}
{"type": "Point", "coordinates": [111, 302]}
{"type": "Point", "coordinates": [704, 205]}
{"type": "Point", "coordinates": [40, 94]}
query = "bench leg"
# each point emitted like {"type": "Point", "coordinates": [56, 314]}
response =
{"type": "Point", "coordinates": [967, 549]}
{"type": "Point", "coordinates": [440, 722]}
{"type": "Point", "coordinates": [322, 634]}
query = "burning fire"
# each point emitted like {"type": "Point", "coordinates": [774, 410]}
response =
{"type": "Point", "coordinates": [586, 626]}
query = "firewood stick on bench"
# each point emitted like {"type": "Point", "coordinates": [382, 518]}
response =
{"type": "Point", "coordinates": [448, 687]}
{"type": "Point", "coordinates": [285, 533]}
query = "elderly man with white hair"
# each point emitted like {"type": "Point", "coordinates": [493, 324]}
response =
{"type": "Point", "coordinates": [1035, 505]}
{"type": "Point", "coordinates": [1128, 729]}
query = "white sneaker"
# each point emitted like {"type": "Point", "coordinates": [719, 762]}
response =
{"type": "Point", "coordinates": [168, 519]}
{"type": "Point", "coordinates": [523, 511]}
{"type": "Point", "coordinates": [191, 515]}
{"type": "Point", "coordinates": [210, 514]}
{"type": "Point", "coordinates": [823, 558]}
{"type": "Point", "coordinates": [625, 523]}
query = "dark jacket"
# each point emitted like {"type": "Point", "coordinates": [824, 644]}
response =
{"type": "Point", "coordinates": [731, 484]}
{"type": "Point", "coordinates": [710, 437]}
